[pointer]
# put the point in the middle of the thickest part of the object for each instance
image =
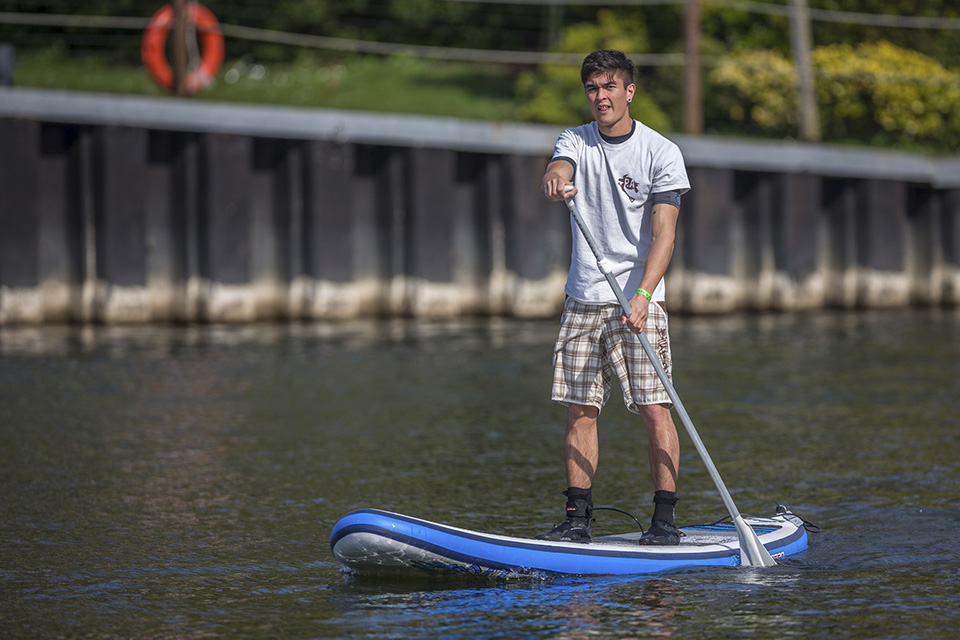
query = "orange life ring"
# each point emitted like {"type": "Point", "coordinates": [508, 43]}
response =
{"type": "Point", "coordinates": [153, 49]}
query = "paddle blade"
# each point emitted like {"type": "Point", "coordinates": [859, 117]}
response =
{"type": "Point", "coordinates": [752, 551]}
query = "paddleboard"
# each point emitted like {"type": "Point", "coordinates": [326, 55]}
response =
{"type": "Point", "coordinates": [376, 541]}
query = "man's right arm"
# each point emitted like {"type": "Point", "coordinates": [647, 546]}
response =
{"type": "Point", "coordinates": [559, 173]}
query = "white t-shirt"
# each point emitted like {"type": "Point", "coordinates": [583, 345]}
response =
{"type": "Point", "coordinates": [615, 181]}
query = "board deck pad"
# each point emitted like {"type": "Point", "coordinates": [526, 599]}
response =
{"type": "Point", "coordinates": [372, 540]}
{"type": "Point", "coordinates": [702, 534]}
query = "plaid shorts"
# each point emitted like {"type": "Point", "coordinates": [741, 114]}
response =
{"type": "Point", "coordinates": [594, 346]}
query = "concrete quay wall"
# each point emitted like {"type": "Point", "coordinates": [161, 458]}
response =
{"type": "Point", "coordinates": [122, 209]}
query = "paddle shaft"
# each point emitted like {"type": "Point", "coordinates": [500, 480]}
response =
{"type": "Point", "coordinates": [749, 549]}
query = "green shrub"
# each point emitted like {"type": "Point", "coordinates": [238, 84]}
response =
{"type": "Point", "coordinates": [756, 90]}
{"type": "Point", "coordinates": [553, 94]}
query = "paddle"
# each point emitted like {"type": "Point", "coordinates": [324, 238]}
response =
{"type": "Point", "coordinates": [752, 551]}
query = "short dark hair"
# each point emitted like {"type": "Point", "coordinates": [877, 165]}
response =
{"type": "Point", "coordinates": [607, 61]}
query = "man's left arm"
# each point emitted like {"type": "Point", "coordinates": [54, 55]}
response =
{"type": "Point", "coordinates": [663, 233]}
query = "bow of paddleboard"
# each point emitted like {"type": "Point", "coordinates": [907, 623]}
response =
{"type": "Point", "coordinates": [375, 541]}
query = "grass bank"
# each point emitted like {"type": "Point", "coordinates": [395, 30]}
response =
{"type": "Point", "coordinates": [399, 84]}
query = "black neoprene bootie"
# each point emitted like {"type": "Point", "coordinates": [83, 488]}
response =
{"type": "Point", "coordinates": [576, 528]}
{"type": "Point", "coordinates": [661, 534]}
{"type": "Point", "coordinates": [663, 530]}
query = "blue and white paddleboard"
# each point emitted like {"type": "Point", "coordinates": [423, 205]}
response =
{"type": "Point", "coordinates": [375, 541]}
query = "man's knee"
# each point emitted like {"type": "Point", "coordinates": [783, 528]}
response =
{"type": "Point", "coordinates": [579, 412]}
{"type": "Point", "coordinates": [656, 415]}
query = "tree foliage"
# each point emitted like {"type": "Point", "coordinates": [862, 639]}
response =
{"type": "Point", "coordinates": [733, 28]}
{"type": "Point", "coordinates": [940, 44]}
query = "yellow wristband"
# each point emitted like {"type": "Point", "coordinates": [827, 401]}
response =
{"type": "Point", "coordinates": [644, 293]}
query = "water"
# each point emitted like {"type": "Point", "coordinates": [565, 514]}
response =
{"type": "Point", "coordinates": [183, 481]}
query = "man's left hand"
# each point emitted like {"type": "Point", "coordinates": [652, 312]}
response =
{"type": "Point", "coordinates": [638, 319]}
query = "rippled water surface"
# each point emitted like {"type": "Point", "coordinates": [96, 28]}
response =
{"type": "Point", "coordinates": [183, 481]}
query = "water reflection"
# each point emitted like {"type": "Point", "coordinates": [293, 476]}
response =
{"type": "Point", "coordinates": [619, 607]}
{"type": "Point", "coordinates": [161, 341]}
{"type": "Point", "coordinates": [641, 608]}
{"type": "Point", "coordinates": [613, 607]}
{"type": "Point", "coordinates": [180, 415]}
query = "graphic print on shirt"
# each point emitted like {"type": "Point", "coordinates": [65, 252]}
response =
{"type": "Point", "coordinates": [628, 184]}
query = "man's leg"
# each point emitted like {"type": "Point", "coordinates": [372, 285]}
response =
{"type": "Point", "coordinates": [664, 446]}
{"type": "Point", "coordinates": [581, 449]}
{"type": "Point", "coordinates": [581, 453]}
{"type": "Point", "coordinates": [664, 452]}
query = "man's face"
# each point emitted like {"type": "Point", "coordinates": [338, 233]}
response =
{"type": "Point", "coordinates": [607, 99]}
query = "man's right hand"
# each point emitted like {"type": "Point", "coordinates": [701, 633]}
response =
{"type": "Point", "coordinates": [556, 180]}
{"type": "Point", "coordinates": [555, 189]}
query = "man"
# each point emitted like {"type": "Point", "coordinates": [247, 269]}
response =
{"type": "Point", "coordinates": [629, 180]}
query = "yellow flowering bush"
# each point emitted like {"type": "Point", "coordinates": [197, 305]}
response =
{"type": "Point", "coordinates": [872, 92]}
{"type": "Point", "coordinates": [888, 94]}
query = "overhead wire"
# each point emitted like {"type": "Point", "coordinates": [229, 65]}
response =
{"type": "Point", "coordinates": [845, 17]}
{"type": "Point", "coordinates": [464, 54]}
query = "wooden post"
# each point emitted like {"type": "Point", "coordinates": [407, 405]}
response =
{"type": "Point", "coordinates": [552, 25]}
{"type": "Point", "coordinates": [178, 47]}
{"type": "Point", "coordinates": [693, 98]}
{"type": "Point", "coordinates": [6, 65]}
{"type": "Point", "coordinates": [802, 42]}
